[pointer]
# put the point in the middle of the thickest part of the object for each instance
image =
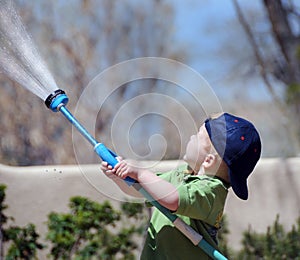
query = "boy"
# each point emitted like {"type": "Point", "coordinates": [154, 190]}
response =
{"type": "Point", "coordinates": [222, 154]}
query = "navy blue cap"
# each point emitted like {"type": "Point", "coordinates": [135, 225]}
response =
{"type": "Point", "coordinates": [237, 141]}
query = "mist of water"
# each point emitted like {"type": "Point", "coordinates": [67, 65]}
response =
{"type": "Point", "coordinates": [19, 58]}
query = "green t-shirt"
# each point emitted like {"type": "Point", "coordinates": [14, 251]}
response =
{"type": "Point", "coordinates": [201, 203]}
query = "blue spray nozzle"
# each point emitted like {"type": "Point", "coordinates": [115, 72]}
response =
{"type": "Point", "coordinates": [55, 99]}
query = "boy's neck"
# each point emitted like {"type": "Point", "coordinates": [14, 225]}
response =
{"type": "Point", "coordinates": [224, 177]}
{"type": "Point", "coordinates": [222, 173]}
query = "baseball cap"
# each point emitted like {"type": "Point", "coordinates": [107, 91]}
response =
{"type": "Point", "coordinates": [237, 141]}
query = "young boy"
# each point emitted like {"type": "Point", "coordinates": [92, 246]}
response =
{"type": "Point", "coordinates": [221, 155]}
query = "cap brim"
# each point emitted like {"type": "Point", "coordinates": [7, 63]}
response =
{"type": "Point", "coordinates": [239, 185]}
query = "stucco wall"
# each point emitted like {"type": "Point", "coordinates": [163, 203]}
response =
{"type": "Point", "coordinates": [32, 192]}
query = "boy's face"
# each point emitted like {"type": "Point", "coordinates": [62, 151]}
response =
{"type": "Point", "coordinates": [197, 149]}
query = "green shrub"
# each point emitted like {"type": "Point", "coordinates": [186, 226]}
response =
{"type": "Point", "coordinates": [276, 243]}
{"type": "Point", "coordinates": [91, 230]}
{"type": "Point", "coordinates": [23, 241]}
{"type": "Point", "coordinates": [98, 231]}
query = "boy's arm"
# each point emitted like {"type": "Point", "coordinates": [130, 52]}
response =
{"type": "Point", "coordinates": [162, 191]}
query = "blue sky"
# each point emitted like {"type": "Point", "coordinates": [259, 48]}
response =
{"type": "Point", "coordinates": [203, 26]}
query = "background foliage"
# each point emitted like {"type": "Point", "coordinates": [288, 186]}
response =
{"type": "Point", "coordinates": [98, 231]}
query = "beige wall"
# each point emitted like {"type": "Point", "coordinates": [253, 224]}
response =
{"type": "Point", "coordinates": [32, 192]}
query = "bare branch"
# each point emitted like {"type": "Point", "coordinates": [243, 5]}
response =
{"type": "Point", "coordinates": [285, 38]}
{"type": "Point", "coordinates": [280, 25]}
{"type": "Point", "coordinates": [290, 127]}
{"type": "Point", "coordinates": [257, 54]}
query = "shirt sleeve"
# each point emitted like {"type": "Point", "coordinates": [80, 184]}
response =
{"type": "Point", "coordinates": [195, 199]}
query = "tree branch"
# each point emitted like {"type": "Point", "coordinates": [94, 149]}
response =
{"type": "Point", "coordinates": [257, 55]}
{"type": "Point", "coordinates": [285, 38]}
{"type": "Point", "coordinates": [75, 247]}
{"type": "Point", "coordinates": [290, 127]}
{"type": "Point", "coordinates": [280, 26]}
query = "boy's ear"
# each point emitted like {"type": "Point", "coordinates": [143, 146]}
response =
{"type": "Point", "coordinates": [209, 161]}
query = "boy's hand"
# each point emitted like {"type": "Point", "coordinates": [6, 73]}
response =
{"type": "Point", "coordinates": [121, 170]}
{"type": "Point", "coordinates": [108, 169]}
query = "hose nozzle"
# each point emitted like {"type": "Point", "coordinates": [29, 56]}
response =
{"type": "Point", "coordinates": [56, 99]}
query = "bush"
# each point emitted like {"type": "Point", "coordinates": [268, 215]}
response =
{"type": "Point", "coordinates": [275, 244]}
{"type": "Point", "coordinates": [89, 230]}
{"type": "Point", "coordinates": [23, 241]}
{"type": "Point", "coordinates": [222, 239]}
{"type": "Point", "coordinates": [98, 231]}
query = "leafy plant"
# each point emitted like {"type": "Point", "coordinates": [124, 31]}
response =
{"type": "Point", "coordinates": [222, 239]}
{"type": "Point", "coordinates": [98, 231]}
{"type": "Point", "coordinates": [3, 218]}
{"type": "Point", "coordinates": [23, 241]}
{"type": "Point", "coordinates": [90, 231]}
{"type": "Point", "coordinates": [275, 244]}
